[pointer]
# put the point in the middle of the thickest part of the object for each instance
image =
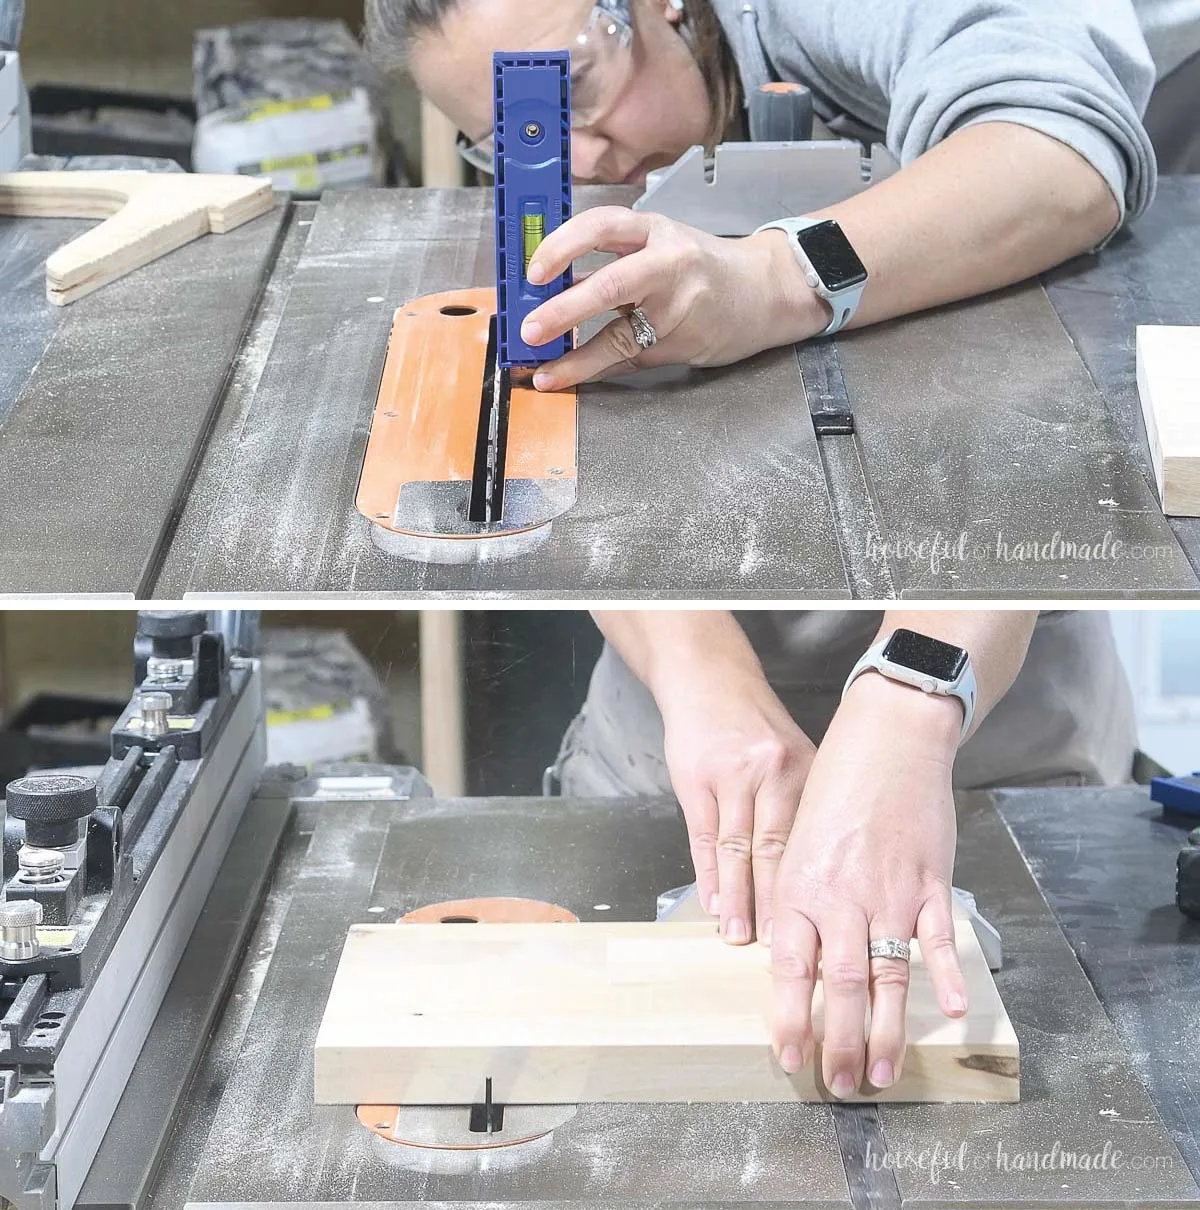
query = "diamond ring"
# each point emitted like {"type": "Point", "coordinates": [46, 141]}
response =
{"type": "Point", "coordinates": [889, 947]}
{"type": "Point", "coordinates": [643, 329]}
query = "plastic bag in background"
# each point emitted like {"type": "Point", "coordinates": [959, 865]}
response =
{"type": "Point", "coordinates": [293, 99]}
{"type": "Point", "coordinates": [324, 700]}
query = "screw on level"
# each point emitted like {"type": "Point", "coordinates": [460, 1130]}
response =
{"type": "Point", "coordinates": [39, 865]}
{"type": "Point", "coordinates": [19, 919]}
{"type": "Point", "coordinates": [155, 708]}
{"type": "Point", "coordinates": [533, 130]}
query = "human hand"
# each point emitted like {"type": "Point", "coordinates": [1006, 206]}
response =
{"type": "Point", "coordinates": [738, 764]}
{"type": "Point", "coordinates": [871, 855]}
{"type": "Point", "coordinates": [711, 301]}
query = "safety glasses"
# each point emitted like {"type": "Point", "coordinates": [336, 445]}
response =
{"type": "Point", "coordinates": [601, 67]}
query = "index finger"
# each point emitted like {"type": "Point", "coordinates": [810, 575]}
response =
{"type": "Point", "coordinates": [602, 229]}
{"type": "Point", "coordinates": [699, 808]}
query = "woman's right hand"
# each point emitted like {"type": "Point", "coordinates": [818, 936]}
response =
{"type": "Point", "coordinates": [738, 764]}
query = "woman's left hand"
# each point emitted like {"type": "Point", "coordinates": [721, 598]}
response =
{"type": "Point", "coordinates": [870, 857]}
{"type": "Point", "coordinates": [711, 301]}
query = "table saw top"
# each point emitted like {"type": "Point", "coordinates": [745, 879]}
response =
{"type": "Point", "coordinates": [244, 1129]}
{"type": "Point", "coordinates": [198, 427]}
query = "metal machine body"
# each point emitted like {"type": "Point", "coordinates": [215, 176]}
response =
{"type": "Point", "coordinates": [118, 867]}
{"type": "Point", "coordinates": [992, 448]}
{"type": "Point", "coordinates": [743, 185]}
{"type": "Point", "coordinates": [1006, 419]}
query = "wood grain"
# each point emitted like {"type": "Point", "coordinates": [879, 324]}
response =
{"type": "Point", "coordinates": [552, 1013]}
{"type": "Point", "coordinates": [146, 215]}
{"type": "Point", "coordinates": [1168, 378]}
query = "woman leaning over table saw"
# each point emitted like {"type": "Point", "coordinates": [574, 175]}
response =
{"type": "Point", "coordinates": [1018, 123]}
{"type": "Point", "coordinates": [849, 844]}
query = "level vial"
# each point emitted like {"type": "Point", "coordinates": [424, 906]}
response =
{"type": "Point", "coordinates": [533, 231]}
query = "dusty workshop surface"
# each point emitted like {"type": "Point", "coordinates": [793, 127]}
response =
{"type": "Point", "coordinates": [105, 404]}
{"type": "Point", "coordinates": [249, 1134]}
{"type": "Point", "coordinates": [981, 433]}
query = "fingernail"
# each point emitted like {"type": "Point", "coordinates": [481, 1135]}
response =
{"type": "Point", "coordinates": [765, 935]}
{"type": "Point", "coordinates": [543, 381]}
{"type": "Point", "coordinates": [737, 931]}
{"type": "Point", "coordinates": [791, 1060]}
{"type": "Point", "coordinates": [531, 331]}
{"type": "Point", "coordinates": [536, 274]}
{"type": "Point", "coordinates": [842, 1086]}
{"type": "Point", "coordinates": [714, 904]}
{"type": "Point", "coordinates": [882, 1075]}
{"type": "Point", "coordinates": [956, 1002]}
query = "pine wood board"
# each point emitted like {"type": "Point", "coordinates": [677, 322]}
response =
{"type": "Point", "coordinates": [1168, 379]}
{"type": "Point", "coordinates": [146, 215]}
{"type": "Point", "coordinates": [564, 1013]}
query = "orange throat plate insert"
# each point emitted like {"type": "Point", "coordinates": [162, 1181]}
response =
{"type": "Point", "coordinates": [462, 456]}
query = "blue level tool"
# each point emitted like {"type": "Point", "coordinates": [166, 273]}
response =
{"type": "Point", "coordinates": [533, 190]}
{"type": "Point", "coordinates": [1179, 795]}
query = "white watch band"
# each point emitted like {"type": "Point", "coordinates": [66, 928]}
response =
{"type": "Point", "coordinates": [964, 688]}
{"type": "Point", "coordinates": [844, 302]}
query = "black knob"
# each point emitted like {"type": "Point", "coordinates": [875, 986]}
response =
{"type": "Point", "coordinates": [171, 631]}
{"type": "Point", "coordinates": [51, 804]}
{"type": "Point", "coordinates": [172, 623]}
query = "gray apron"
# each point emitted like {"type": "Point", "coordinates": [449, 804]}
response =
{"type": "Point", "coordinates": [1068, 719]}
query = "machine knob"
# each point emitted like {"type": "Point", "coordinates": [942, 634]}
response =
{"type": "Point", "coordinates": [781, 113]}
{"type": "Point", "coordinates": [171, 631]}
{"type": "Point", "coordinates": [172, 623]}
{"type": "Point", "coordinates": [19, 919]}
{"type": "Point", "coordinates": [51, 804]}
{"type": "Point", "coordinates": [51, 797]}
{"type": "Point", "coordinates": [156, 711]}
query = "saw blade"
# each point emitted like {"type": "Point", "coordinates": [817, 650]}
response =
{"type": "Point", "coordinates": [486, 504]}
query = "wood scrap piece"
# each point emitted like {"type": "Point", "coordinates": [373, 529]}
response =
{"type": "Point", "coordinates": [1168, 378]}
{"type": "Point", "coordinates": [564, 1013]}
{"type": "Point", "coordinates": [146, 215]}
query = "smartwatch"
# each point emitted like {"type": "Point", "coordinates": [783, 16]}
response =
{"type": "Point", "coordinates": [829, 263]}
{"type": "Point", "coordinates": [926, 664]}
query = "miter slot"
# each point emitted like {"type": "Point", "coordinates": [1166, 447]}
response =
{"type": "Point", "coordinates": [486, 1116]}
{"type": "Point", "coordinates": [825, 386]}
{"type": "Point", "coordinates": [487, 482]}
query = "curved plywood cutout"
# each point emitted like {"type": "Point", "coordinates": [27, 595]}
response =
{"type": "Point", "coordinates": [146, 215]}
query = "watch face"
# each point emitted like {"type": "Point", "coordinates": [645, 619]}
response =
{"type": "Point", "coordinates": [831, 255]}
{"type": "Point", "coordinates": [942, 661]}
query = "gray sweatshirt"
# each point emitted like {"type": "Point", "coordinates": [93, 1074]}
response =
{"type": "Point", "coordinates": [1080, 71]}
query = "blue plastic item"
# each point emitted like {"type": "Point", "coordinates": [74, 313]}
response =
{"type": "Point", "coordinates": [533, 189]}
{"type": "Point", "coordinates": [1180, 795]}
